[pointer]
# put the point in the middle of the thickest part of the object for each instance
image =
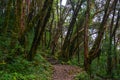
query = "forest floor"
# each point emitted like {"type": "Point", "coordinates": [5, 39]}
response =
{"type": "Point", "coordinates": [63, 71]}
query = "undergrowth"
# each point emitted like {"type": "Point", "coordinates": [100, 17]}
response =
{"type": "Point", "coordinates": [21, 69]}
{"type": "Point", "coordinates": [98, 69]}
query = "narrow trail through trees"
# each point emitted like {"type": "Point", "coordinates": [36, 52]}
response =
{"type": "Point", "coordinates": [63, 72]}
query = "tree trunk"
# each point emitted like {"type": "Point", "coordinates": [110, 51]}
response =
{"type": "Point", "coordinates": [66, 43]}
{"type": "Point", "coordinates": [109, 57]}
{"type": "Point", "coordinates": [94, 52]}
{"type": "Point", "coordinates": [86, 50]}
{"type": "Point", "coordinates": [44, 17]}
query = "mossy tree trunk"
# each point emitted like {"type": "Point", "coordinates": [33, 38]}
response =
{"type": "Point", "coordinates": [65, 46]}
{"type": "Point", "coordinates": [43, 19]}
{"type": "Point", "coordinates": [86, 49]}
{"type": "Point", "coordinates": [94, 52]}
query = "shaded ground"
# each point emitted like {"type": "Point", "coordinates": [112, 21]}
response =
{"type": "Point", "coordinates": [69, 72]}
{"type": "Point", "coordinates": [63, 72]}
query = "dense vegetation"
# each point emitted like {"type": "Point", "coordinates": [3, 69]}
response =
{"type": "Point", "coordinates": [85, 33]}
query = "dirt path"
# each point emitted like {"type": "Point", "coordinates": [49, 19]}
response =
{"type": "Point", "coordinates": [63, 72]}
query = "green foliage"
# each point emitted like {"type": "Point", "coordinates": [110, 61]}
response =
{"type": "Point", "coordinates": [13, 66]}
{"type": "Point", "coordinates": [16, 76]}
{"type": "Point", "coordinates": [21, 69]}
{"type": "Point", "coordinates": [98, 66]}
{"type": "Point", "coordinates": [82, 76]}
{"type": "Point", "coordinates": [74, 61]}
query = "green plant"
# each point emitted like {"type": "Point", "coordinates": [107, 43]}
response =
{"type": "Point", "coordinates": [82, 76]}
{"type": "Point", "coordinates": [21, 69]}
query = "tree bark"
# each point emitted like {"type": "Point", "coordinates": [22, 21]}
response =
{"type": "Point", "coordinates": [109, 57]}
{"type": "Point", "coordinates": [86, 49]}
{"type": "Point", "coordinates": [66, 43]}
{"type": "Point", "coordinates": [44, 17]}
{"type": "Point", "coordinates": [94, 52]}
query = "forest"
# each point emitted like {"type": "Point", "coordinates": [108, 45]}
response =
{"type": "Point", "coordinates": [59, 39]}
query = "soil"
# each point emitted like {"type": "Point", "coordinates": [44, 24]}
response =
{"type": "Point", "coordinates": [63, 72]}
